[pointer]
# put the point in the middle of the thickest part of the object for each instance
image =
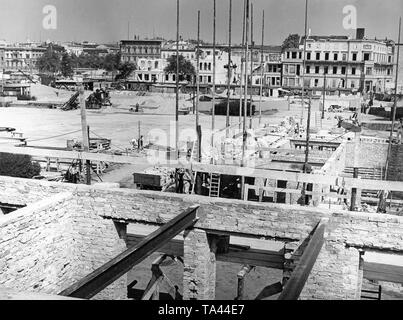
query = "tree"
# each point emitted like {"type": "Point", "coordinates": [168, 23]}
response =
{"type": "Point", "coordinates": [292, 41]}
{"type": "Point", "coordinates": [186, 68]}
{"type": "Point", "coordinates": [125, 70]}
{"type": "Point", "coordinates": [49, 62]}
{"type": "Point", "coordinates": [111, 62]}
{"type": "Point", "coordinates": [66, 65]}
{"type": "Point", "coordinates": [19, 166]}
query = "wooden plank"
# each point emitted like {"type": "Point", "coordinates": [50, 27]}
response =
{"type": "Point", "coordinates": [296, 283]}
{"type": "Point", "coordinates": [219, 169]}
{"type": "Point", "coordinates": [236, 254]}
{"type": "Point", "coordinates": [99, 279]}
{"type": "Point", "coordinates": [383, 272]}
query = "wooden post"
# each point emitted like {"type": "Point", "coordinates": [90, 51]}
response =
{"type": "Point", "coordinates": [241, 281]}
{"type": "Point", "coordinates": [214, 67]}
{"type": "Point", "coordinates": [85, 129]}
{"type": "Point", "coordinates": [242, 62]}
{"type": "Point", "coordinates": [251, 66]}
{"type": "Point", "coordinates": [198, 128]}
{"type": "Point", "coordinates": [354, 191]}
{"type": "Point", "coordinates": [261, 73]}
{"type": "Point", "coordinates": [227, 124]}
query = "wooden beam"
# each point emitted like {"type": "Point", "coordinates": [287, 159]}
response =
{"type": "Point", "coordinates": [241, 281]}
{"type": "Point", "coordinates": [270, 291]}
{"type": "Point", "coordinates": [383, 272]}
{"type": "Point", "coordinates": [219, 169]}
{"type": "Point", "coordinates": [99, 279]}
{"type": "Point", "coordinates": [296, 283]}
{"type": "Point", "coordinates": [235, 254]}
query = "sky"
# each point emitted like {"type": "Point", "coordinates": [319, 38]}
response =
{"type": "Point", "coordinates": [106, 21]}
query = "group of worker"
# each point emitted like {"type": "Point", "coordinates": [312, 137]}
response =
{"type": "Point", "coordinates": [138, 143]}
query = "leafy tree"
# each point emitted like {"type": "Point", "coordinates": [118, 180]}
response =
{"type": "Point", "coordinates": [49, 62]}
{"type": "Point", "coordinates": [17, 165]}
{"type": "Point", "coordinates": [66, 65]}
{"type": "Point", "coordinates": [125, 70]}
{"type": "Point", "coordinates": [111, 62]}
{"type": "Point", "coordinates": [292, 41]}
{"type": "Point", "coordinates": [186, 68]}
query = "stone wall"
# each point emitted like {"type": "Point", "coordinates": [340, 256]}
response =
{"type": "Point", "coordinates": [395, 171]}
{"type": "Point", "coordinates": [371, 154]}
{"type": "Point", "coordinates": [89, 237]}
{"type": "Point", "coordinates": [47, 246]}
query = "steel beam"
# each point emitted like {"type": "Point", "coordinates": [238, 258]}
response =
{"type": "Point", "coordinates": [99, 279]}
{"type": "Point", "coordinates": [300, 274]}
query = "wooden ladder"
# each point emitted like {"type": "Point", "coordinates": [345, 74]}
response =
{"type": "Point", "coordinates": [194, 156]}
{"type": "Point", "coordinates": [214, 185]}
{"type": "Point", "coordinates": [318, 120]}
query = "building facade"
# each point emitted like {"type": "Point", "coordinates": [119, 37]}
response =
{"type": "Point", "coordinates": [22, 58]}
{"type": "Point", "coordinates": [133, 50]}
{"type": "Point", "coordinates": [340, 64]}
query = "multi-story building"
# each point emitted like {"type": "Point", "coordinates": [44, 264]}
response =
{"type": "Point", "coordinates": [272, 70]}
{"type": "Point", "coordinates": [339, 63]}
{"type": "Point", "coordinates": [2, 60]}
{"type": "Point", "coordinates": [22, 58]}
{"type": "Point", "coordinates": [132, 50]}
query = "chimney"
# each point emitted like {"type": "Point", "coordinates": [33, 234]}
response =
{"type": "Point", "coordinates": [360, 33]}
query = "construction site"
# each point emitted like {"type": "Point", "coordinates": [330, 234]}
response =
{"type": "Point", "coordinates": [154, 196]}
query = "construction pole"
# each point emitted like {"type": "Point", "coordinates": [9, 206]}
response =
{"type": "Point", "coordinates": [324, 93]}
{"type": "Point", "coordinates": [198, 89]}
{"type": "Point", "coordinates": [303, 62]}
{"type": "Point", "coordinates": [261, 73]}
{"type": "Point", "coordinates": [244, 135]}
{"type": "Point", "coordinates": [84, 128]}
{"type": "Point", "coordinates": [213, 107]}
{"type": "Point", "coordinates": [242, 62]}
{"type": "Point", "coordinates": [229, 68]}
{"type": "Point", "coordinates": [177, 94]}
{"type": "Point", "coordinates": [395, 100]}
{"type": "Point", "coordinates": [251, 66]}
{"type": "Point", "coordinates": [139, 129]}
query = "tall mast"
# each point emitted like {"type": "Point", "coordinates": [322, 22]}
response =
{"type": "Point", "coordinates": [213, 108]}
{"type": "Point", "coordinates": [177, 81]}
{"type": "Point", "coordinates": [395, 99]}
{"type": "Point", "coordinates": [245, 99]}
{"type": "Point", "coordinates": [261, 73]}
{"type": "Point", "coordinates": [251, 65]}
{"type": "Point", "coordinates": [242, 61]}
{"type": "Point", "coordinates": [303, 62]}
{"type": "Point", "coordinates": [229, 65]}
{"type": "Point", "coordinates": [198, 87]}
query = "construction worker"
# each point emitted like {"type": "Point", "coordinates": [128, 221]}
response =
{"type": "Point", "coordinates": [400, 131]}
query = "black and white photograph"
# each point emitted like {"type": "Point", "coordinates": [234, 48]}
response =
{"type": "Point", "coordinates": [221, 151]}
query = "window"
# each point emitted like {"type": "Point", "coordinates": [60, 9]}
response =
{"type": "Point", "coordinates": [291, 69]}
{"type": "Point", "coordinates": [209, 66]}
{"type": "Point", "coordinates": [335, 57]}
{"type": "Point", "coordinates": [353, 70]}
{"type": "Point", "coordinates": [317, 69]}
{"type": "Point", "coordinates": [308, 69]}
{"type": "Point", "coordinates": [308, 56]}
{"type": "Point", "coordinates": [352, 84]}
{"type": "Point", "coordinates": [286, 68]}
{"type": "Point", "coordinates": [354, 57]}
{"type": "Point", "coordinates": [167, 77]}
{"type": "Point", "coordinates": [389, 59]}
{"type": "Point", "coordinates": [294, 55]}
{"type": "Point", "coordinates": [209, 79]}
{"type": "Point", "coordinates": [173, 78]}
{"type": "Point", "coordinates": [388, 72]}
{"type": "Point", "coordinates": [288, 54]}
{"type": "Point", "coordinates": [201, 66]}
{"type": "Point", "coordinates": [300, 55]}
{"type": "Point", "coordinates": [366, 56]}
{"type": "Point", "coordinates": [298, 70]}
{"type": "Point", "coordinates": [146, 77]}
{"type": "Point", "coordinates": [316, 82]}
{"type": "Point", "coordinates": [343, 70]}
{"type": "Point", "coordinates": [326, 56]}
{"type": "Point", "coordinates": [326, 70]}
{"type": "Point", "coordinates": [317, 55]}
{"type": "Point", "coordinates": [369, 71]}
{"type": "Point", "coordinates": [334, 70]}
{"type": "Point", "coordinates": [201, 79]}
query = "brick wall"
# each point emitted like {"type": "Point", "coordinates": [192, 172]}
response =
{"type": "Point", "coordinates": [395, 171]}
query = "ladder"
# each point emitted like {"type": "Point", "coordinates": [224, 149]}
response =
{"type": "Point", "coordinates": [194, 155]}
{"type": "Point", "coordinates": [318, 120]}
{"type": "Point", "coordinates": [214, 185]}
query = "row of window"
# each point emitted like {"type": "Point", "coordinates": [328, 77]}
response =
{"type": "Point", "coordinates": [295, 70]}
{"type": "Point", "coordinates": [140, 50]}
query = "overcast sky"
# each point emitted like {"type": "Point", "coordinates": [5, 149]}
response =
{"type": "Point", "coordinates": [107, 20]}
